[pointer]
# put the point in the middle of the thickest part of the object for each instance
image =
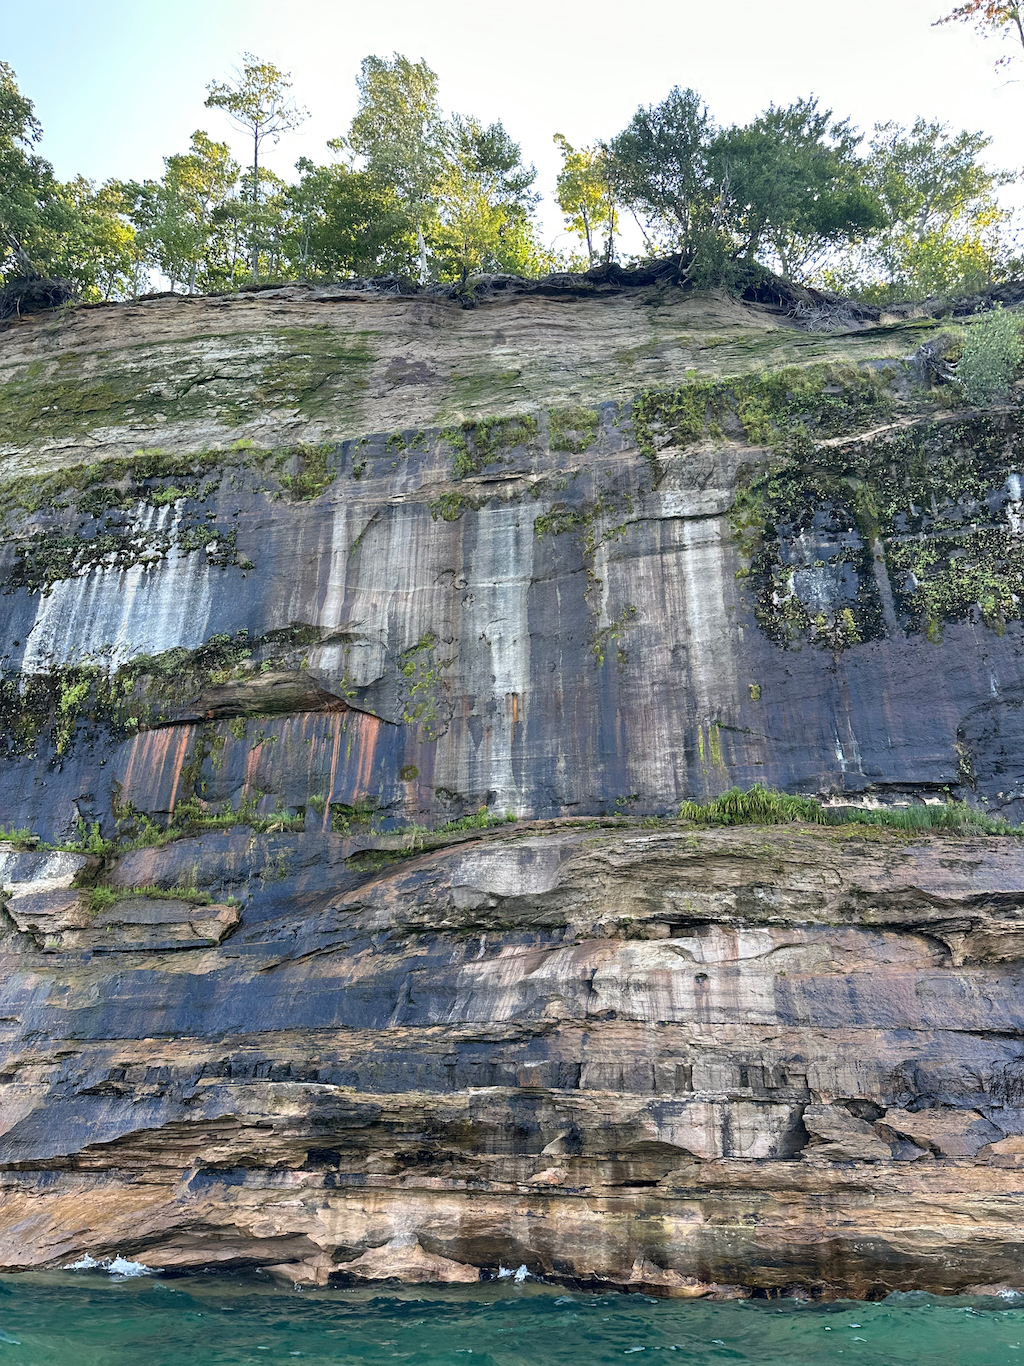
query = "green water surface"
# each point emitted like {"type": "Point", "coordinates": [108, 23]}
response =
{"type": "Point", "coordinates": [90, 1319]}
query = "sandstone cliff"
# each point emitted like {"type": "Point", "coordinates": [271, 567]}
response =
{"type": "Point", "coordinates": [307, 591]}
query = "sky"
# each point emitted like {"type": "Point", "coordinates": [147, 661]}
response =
{"type": "Point", "coordinates": [119, 84]}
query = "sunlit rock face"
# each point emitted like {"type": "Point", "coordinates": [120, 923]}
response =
{"type": "Point", "coordinates": [296, 578]}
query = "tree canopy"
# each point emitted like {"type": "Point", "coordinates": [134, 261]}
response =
{"type": "Point", "coordinates": [410, 190]}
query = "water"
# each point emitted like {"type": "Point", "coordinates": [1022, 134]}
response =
{"type": "Point", "coordinates": [90, 1319]}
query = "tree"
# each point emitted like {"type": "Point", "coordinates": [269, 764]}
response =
{"type": "Point", "coordinates": [342, 222]}
{"type": "Point", "coordinates": [791, 183]}
{"type": "Point", "coordinates": [398, 131]}
{"type": "Point", "coordinates": [101, 253]}
{"type": "Point", "coordinates": [484, 204]}
{"type": "Point", "coordinates": [259, 103]}
{"type": "Point", "coordinates": [584, 192]}
{"type": "Point", "coordinates": [1002, 17]}
{"type": "Point", "coordinates": [34, 214]}
{"type": "Point", "coordinates": [942, 221]}
{"type": "Point", "coordinates": [177, 215]}
{"type": "Point", "coordinates": [661, 168]}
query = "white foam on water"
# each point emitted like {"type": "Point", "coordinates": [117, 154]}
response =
{"type": "Point", "coordinates": [121, 1266]}
{"type": "Point", "coordinates": [117, 1266]}
{"type": "Point", "coordinates": [504, 1272]}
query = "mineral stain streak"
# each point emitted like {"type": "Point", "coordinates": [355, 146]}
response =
{"type": "Point", "coordinates": [282, 986]}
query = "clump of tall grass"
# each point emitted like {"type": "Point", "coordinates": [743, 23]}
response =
{"type": "Point", "coordinates": [759, 806]}
{"type": "Point", "coordinates": [766, 806]}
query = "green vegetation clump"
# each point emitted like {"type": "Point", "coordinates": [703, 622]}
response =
{"type": "Point", "coordinates": [561, 519]}
{"type": "Point", "coordinates": [481, 819]}
{"type": "Point", "coordinates": [100, 898]}
{"type": "Point", "coordinates": [573, 429]}
{"type": "Point", "coordinates": [449, 507]}
{"type": "Point", "coordinates": [928, 505]}
{"type": "Point", "coordinates": [759, 806]}
{"type": "Point", "coordinates": [783, 409]}
{"type": "Point", "coordinates": [990, 356]}
{"type": "Point", "coordinates": [111, 484]}
{"type": "Point", "coordinates": [192, 817]}
{"type": "Point", "coordinates": [421, 685]}
{"type": "Point", "coordinates": [312, 476]}
{"type": "Point", "coordinates": [766, 806]}
{"type": "Point", "coordinates": [475, 445]}
{"type": "Point", "coordinates": [146, 691]}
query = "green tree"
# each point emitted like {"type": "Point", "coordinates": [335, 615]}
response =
{"type": "Point", "coordinates": [342, 222]}
{"type": "Point", "coordinates": [792, 185]}
{"type": "Point", "coordinates": [35, 215]}
{"type": "Point", "coordinates": [584, 192]}
{"type": "Point", "coordinates": [101, 252]}
{"type": "Point", "coordinates": [258, 101]}
{"type": "Point", "coordinates": [398, 133]}
{"type": "Point", "coordinates": [943, 224]}
{"type": "Point", "coordinates": [177, 216]}
{"type": "Point", "coordinates": [1005, 18]}
{"type": "Point", "coordinates": [662, 169]}
{"type": "Point", "coordinates": [484, 204]}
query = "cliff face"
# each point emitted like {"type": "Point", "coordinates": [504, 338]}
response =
{"type": "Point", "coordinates": [295, 579]}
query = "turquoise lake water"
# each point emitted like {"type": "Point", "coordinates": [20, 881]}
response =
{"type": "Point", "coordinates": [89, 1319]}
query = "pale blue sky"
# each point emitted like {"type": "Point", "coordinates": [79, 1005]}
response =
{"type": "Point", "coordinates": [119, 84]}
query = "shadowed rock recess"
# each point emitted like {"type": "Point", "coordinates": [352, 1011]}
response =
{"type": "Point", "coordinates": [307, 591]}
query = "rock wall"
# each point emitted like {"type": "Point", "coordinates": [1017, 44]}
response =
{"type": "Point", "coordinates": [307, 591]}
{"type": "Point", "coordinates": [694, 1062]}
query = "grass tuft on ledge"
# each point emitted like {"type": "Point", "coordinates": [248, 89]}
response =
{"type": "Point", "coordinates": [766, 806]}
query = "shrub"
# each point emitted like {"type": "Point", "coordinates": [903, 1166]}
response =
{"type": "Point", "coordinates": [992, 351]}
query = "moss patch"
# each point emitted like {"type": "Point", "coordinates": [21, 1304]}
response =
{"type": "Point", "coordinates": [782, 409]}
{"type": "Point", "coordinates": [230, 379]}
{"type": "Point", "coordinates": [933, 508]}
{"type": "Point", "coordinates": [51, 711]}
{"type": "Point", "coordinates": [573, 429]}
{"type": "Point", "coordinates": [475, 445]}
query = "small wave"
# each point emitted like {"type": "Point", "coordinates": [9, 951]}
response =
{"type": "Point", "coordinates": [116, 1266]}
{"type": "Point", "coordinates": [504, 1272]}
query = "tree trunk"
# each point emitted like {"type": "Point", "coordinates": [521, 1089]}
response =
{"type": "Point", "coordinates": [255, 259]}
{"type": "Point", "coordinates": [422, 241]}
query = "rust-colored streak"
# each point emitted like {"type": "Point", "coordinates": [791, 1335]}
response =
{"type": "Point", "coordinates": [178, 760]}
{"type": "Point", "coordinates": [152, 754]}
{"type": "Point", "coordinates": [369, 730]}
{"type": "Point", "coordinates": [338, 727]}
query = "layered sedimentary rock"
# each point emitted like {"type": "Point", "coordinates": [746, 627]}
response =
{"type": "Point", "coordinates": [307, 589]}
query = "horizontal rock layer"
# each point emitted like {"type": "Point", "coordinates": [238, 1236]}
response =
{"type": "Point", "coordinates": [708, 1062]}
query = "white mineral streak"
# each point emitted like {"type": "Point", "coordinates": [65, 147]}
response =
{"type": "Point", "coordinates": [359, 660]}
{"type": "Point", "coordinates": [114, 615]}
{"type": "Point", "coordinates": [691, 585]}
{"type": "Point", "coordinates": [499, 566]}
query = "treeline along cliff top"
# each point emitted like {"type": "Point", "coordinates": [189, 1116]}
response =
{"type": "Point", "coordinates": [903, 212]}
